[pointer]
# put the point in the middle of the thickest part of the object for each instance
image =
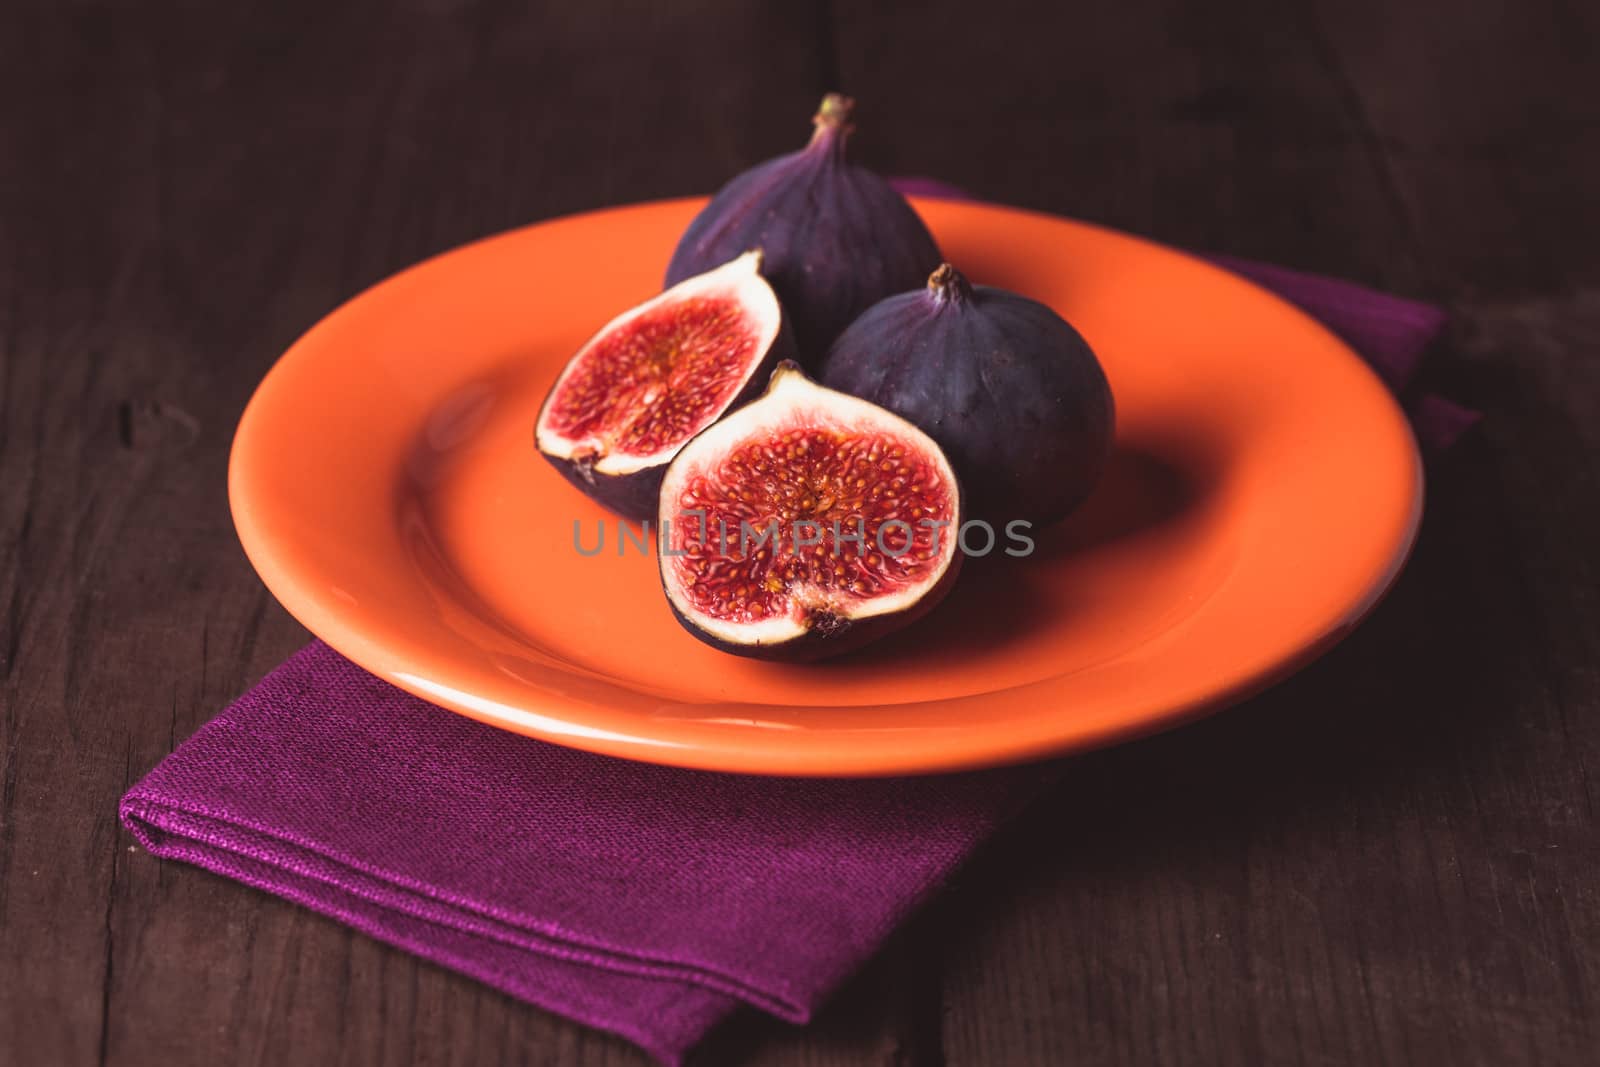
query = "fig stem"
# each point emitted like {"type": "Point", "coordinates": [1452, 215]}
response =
{"type": "Point", "coordinates": [835, 110]}
{"type": "Point", "coordinates": [832, 120]}
{"type": "Point", "coordinates": [948, 285]}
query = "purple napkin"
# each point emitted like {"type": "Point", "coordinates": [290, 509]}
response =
{"type": "Point", "coordinates": [639, 899]}
{"type": "Point", "coordinates": [643, 900]}
{"type": "Point", "coordinates": [1392, 334]}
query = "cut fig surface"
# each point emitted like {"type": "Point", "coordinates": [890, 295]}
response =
{"type": "Point", "coordinates": [657, 375]}
{"type": "Point", "coordinates": [806, 524]}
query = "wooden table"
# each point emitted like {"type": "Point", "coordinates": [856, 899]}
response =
{"type": "Point", "coordinates": [1391, 859]}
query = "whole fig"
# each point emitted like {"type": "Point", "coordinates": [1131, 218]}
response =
{"type": "Point", "coordinates": [837, 238]}
{"type": "Point", "coordinates": [1009, 390]}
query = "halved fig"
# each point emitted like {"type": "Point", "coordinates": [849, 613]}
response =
{"type": "Point", "coordinates": [655, 376]}
{"type": "Point", "coordinates": [807, 524]}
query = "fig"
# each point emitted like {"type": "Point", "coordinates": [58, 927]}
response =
{"type": "Point", "coordinates": [1012, 393]}
{"type": "Point", "coordinates": [807, 524]}
{"type": "Point", "coordinates": [655, 376]}
{"type": "Point", "coordinates": [837, 237]}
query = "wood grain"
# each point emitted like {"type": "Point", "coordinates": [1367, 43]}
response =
{"type": "Point", "coordinates": [1389, 859]}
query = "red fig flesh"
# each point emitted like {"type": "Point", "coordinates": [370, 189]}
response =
{"type": "Point", "coordinates": [657, 375]}
{"type": "Point", "coordinates": [806, 524]}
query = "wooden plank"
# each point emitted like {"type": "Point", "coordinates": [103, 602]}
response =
{"type": "Point", "coordinates": [1207, 127]}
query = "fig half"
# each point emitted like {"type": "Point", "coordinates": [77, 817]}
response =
{"type": "Point", "coordinates": [655, 376]}
{"type": "Point", "coordinates": [807, 524]}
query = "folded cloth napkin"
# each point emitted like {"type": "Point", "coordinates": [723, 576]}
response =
{"type": "Point", "coordinates": [643, 900]}
{"type": "Point", "coordinates": [1390, 333]}
{"type": "Point", "coordinates": [640, 899]}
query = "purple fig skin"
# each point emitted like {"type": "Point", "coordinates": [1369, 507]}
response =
{"type": "Point", "coordinates": [837, 237]}
{"type": "Point", "coordinates": [1010, 391]}
{"type": "Point", "coordinates": [632, 496]}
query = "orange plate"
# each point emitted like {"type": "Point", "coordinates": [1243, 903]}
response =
{"type": "Point", "coordinates": [1264, 493]}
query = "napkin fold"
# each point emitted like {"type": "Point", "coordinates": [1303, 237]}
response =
{"type": "Point", "coordinates": [644, 900]}
{"type": "Point", "coordinates": [1392, 334]}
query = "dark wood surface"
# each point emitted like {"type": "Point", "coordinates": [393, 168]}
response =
{"type": "Point", "coordinates": [1391, 859]}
